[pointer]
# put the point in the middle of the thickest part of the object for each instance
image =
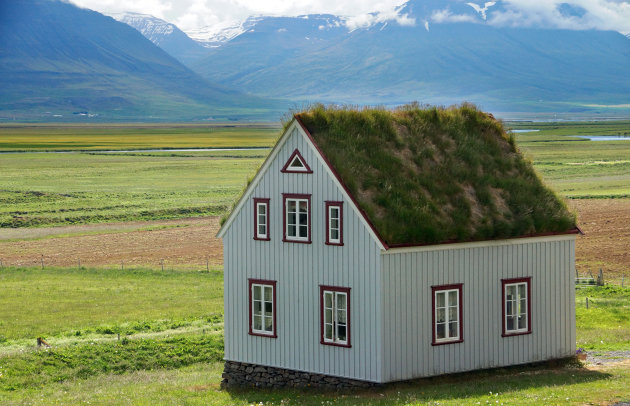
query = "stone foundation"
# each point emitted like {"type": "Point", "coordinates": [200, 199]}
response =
{"type": "Point", "coordinates": [239, 374]}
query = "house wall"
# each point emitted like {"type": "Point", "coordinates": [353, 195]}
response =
{"type": "Point", "coordinates": [299, 269]}
{"type": "Point", "coordinates": [407, 307]}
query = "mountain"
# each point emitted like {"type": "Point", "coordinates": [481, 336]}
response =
{"type": "Point", "coordinates": [60, 60]}
{"type": "Point", "coordinates": [165, 35]}
{"type": "Point", "coordinates": [217, 35]}
{"type": "Point", "coordinates": [447, 54]}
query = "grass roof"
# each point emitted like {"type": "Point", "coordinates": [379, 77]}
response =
{"type": "Point", "coordinates": [428, 175]}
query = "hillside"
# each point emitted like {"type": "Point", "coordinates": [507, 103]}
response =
{"type": "Point", "coordinates": [500, 68]}
{"type": "Point", "coordinates": [165, 35]}
{"type": "Point", "coordinates": [58, 61]}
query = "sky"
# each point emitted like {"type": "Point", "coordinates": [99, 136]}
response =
{"type": "Point", "coordinates": [194, 14]}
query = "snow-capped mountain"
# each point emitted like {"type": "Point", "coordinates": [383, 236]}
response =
{"type": "Point", "coordinates": [217, 35]}
{"type": "Point", "coordinates": [165, 35]}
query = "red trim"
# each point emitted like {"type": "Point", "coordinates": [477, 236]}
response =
{"type": "Point", "coordinates": [528, 281]}
{"type": "Point", "coordinates": [249, 286]}
{"type": "Point", "coordinates": [265, 201]}
{"type": "Point", "coordinates": [329, 288]}
{"type": "Point", "coordinates": [329, 204]}
{"type": "Point", "coordinates": [341, 182]}
{"type": "Point", "coordinates": [438, 288]}
{"type": "Point", "coordinates": [286, 196]}
{"type": "Point", "coordinates": [286, 168]}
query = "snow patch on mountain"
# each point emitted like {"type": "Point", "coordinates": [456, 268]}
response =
{"type": "Point", "coordinates": [153, 28]}
{"type": "Point", "coordinates": [218, 34]}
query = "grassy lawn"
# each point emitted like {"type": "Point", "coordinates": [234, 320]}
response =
{"type": "Point", "coordinates": [171, 348]}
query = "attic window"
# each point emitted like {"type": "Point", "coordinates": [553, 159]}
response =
{"type": "Point", "coordinates": [296, 164]}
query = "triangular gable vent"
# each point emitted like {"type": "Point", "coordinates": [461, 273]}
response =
{"type": "Point", "coordinates": [296, 164]}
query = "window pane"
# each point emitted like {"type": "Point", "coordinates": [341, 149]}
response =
{"type": "Point", "coordinates": [291, 231]}
{"type": "Point", "coordinates": [257, 307]}
{"type": "Point", "coordinates": [440, 299]}
{"type": "Point", "coordinates": [334, 234]}
{"type": "Point", "coordinates": [268, 293]}
{"type": "Point", "coordinates": [452, 298]}
{"type": "Point", "coordinates": [440, 331]}
{"type": "Point", "coordinates": [303, 231]}
{"type": "Point", "coordinates": [328, 330]}
{"type": "Point", "coordinates": [509, 308]}
{"type": "Point", "coordinates": [262, 230]}
{"type": "Point", "coordinates": [452, 329]}
{"type": "Point", "coordinates": [257, 293]}
{"type": "Point", "coordinates": [440, 316]}
{"type": "Point", "coordinates": [262, 209]}
{"type": "Point", "coordinates": [303, 218]}
{"type": "Point", "coordinates": [452, 313]}
{"type": "Point", "coordinates": [328, 315]}
{"type": "Point", "coordinates": [328, 299]}
{"type": "Point", "coordinates": [509, 324]}
{"type": "Point", "coordinates": [291, 206]}
{"type": "Point", "coordinates": [268, 308]}
{"type": "Point", "coordinates": [341, 332]}
{"type": "Point", "coordinates": [341, 300]}
{"type": "Point", "coordinates": [303, 206]}
{"type": "Point", "coordinates": [268, 324]}
{"type": "Point", "coordinates": [521, 290]}
{"type": "Point", "coordinates": [296, 163]}
{"type": "Point", "coordinates": [334, 223]}
{"type": "Point", "coordinates": [291, 218]}
{"type": "Point", "coordinates": [257, 322]}
{"type": "Point", "coordinates": [341, 316]}
{"type": "Point", "coordinates": [522, 322]}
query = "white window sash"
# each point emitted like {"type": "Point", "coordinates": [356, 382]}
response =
{"type": "Point", "coordinates": [447, 316]}
{"type": "Point", "coordinates": [297, 223]}
{"type": "Point", "coordinates": [263, 317]}
{"type": "Point", "coordinates": [264, 221]}
{"type": "Point", "coordinates": [516, 306]}
{"type": "Point", "coordinates": [334, 323]}
{"type": "Point", "coordinates": [332, 209]}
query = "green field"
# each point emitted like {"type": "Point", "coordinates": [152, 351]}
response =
{"type": "Point", "coordinates": [171, 344]}
{"type": "Point", "coordinates": [577, 167]}
{"type": "Point", "coordinates": [44, 189]}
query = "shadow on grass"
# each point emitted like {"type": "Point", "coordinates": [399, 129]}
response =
{"type": "Point", "coordinates": [461, 387]}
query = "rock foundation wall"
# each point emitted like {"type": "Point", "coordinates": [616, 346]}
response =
{"type": "Point", "coordinates": [239, 374]}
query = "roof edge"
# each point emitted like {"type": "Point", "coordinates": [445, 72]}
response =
{"type": "Point", "coordinates": [575, 230]}
{"type": "Point", "coordinates": [341, 182]}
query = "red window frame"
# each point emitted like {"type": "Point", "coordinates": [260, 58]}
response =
{"type": "Point", "coordinates": [285, 197]}
{"type": "Point", "coordinates": [339, 205]}
{"type": "Point", "coordinates": [287, 168]}
{"type": "Point", "coordinates": [271, 283]}
{"type": "Point", "coordinates": [257, 201]}
{"type": "Point", "coordinates": [528, 282]}
{"type": "Point", "coordinates": [434, 290]}
{"type": "Point", "coordinates": [328, 288]}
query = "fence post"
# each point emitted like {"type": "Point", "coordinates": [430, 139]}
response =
{"type": "Point", "coordinates": [587, 302]}
{"type": "Point", "coordinates": [207, 266]}
{"type": "Point", "coordinates": [122, 265]}
{"type": "Point", "coordinates": [42, 261]}
{"type": "Point", "coordinates": [600, 278]}
{"type": "Point", "coordinates": [162, 262]}
{"type": "Point", "coordinates": [79, 263]}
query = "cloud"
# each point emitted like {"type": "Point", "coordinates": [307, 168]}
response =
{"type": "Point", "coordinates": [445, 16]}
{"type": "Point", "coordinates": [567, 14]}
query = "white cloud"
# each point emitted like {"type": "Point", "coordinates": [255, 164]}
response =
{"type": "Point", "coordinates": [598, 14]}
{"type": "Point", "coordinates": [445, 16]}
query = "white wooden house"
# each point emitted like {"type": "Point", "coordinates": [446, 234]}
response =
{"type": "Point", "coordinates": [316, 282]}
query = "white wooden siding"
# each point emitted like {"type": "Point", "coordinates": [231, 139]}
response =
{"type": "Point", "coordinates": [299, 269]}
{"type": "Point", "coordinates": [406, 282]}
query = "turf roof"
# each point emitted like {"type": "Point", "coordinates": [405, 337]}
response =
{"type": "Point", "coordinates": [429, 175]}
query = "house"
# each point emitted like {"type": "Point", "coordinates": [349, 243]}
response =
{"type": "Point", "coordinates": [376, 246]}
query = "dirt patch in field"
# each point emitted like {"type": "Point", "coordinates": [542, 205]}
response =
{"type": "Point", "coordinates": [606, 243]}
{"type": "Point", "coordinates": [183, 243]}
{"type": "Point", "coordinates": [187, 242]}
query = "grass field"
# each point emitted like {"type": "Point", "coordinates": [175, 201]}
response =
{"type": "Point", "coordinates": [171, 348]}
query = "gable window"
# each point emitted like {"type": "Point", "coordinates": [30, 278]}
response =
{"type": "Point", "coordinates": [516, 306]}
{"type": "Point", "coordinates": [261, 219]}
{"type": "Point", "coordinates": [335, 316]}
{"type": "Point", "coordinates": [447, 314]}
{"type": "Point", "coordinates": [296, 164]}
{"type": "Point", "coordinates": [297, 218]}
{"type": "Point", "coordinates": [262, 308]}
{"type": "Point", "coordinates": [334, 223]}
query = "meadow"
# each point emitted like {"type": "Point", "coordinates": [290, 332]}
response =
{"type": "Point", "coordinates": [152, 336]}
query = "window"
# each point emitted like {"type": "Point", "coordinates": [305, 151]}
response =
{"type": "Point", "coordinates": [447, 314]}
{"type": "Point", "coordinates": [296, 164]}
{"type": "Point", "coordinates": [262, 308]}
{"type": "Point", "coordinates": [334, 223]}
{"type": "Point", "coordinates": [297, 218]}
{"type": "Point", "coordinates": [335, 316]}
{"type": "Point", "coordinates": [516, 306]}
{"type": "Point", "coordinates": [261, 219]}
